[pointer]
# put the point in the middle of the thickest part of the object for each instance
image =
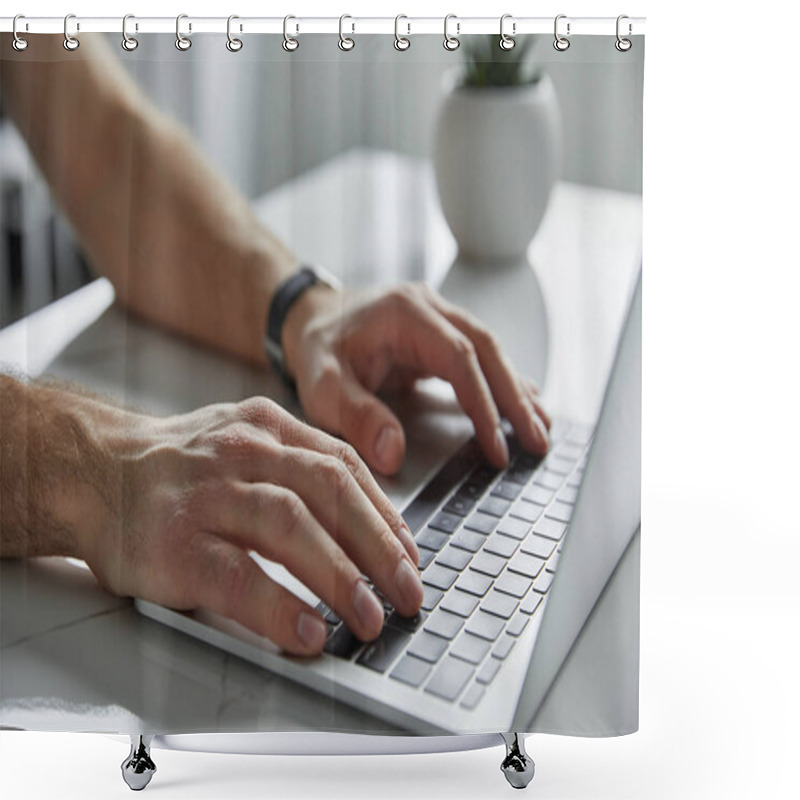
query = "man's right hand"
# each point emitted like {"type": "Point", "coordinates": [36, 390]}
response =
{"type": "Point", "coordinates": [177, 504]}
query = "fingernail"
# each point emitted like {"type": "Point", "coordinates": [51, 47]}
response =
{"type": "Point", "coordinates": [311, 630]}
{"type": "Point", "coordinates": [502, 445]}
{"type": "Point", "coordinates": [408, 542]}
{"type": "Point", "coordinates": [387, 445]}
{"type": "Point", "coordinates": [408, 583]}
{"type": "Point", "coordinates": [368, 610]}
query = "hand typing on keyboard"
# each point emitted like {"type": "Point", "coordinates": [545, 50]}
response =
{"type": "Point", "coordinates": [168, 509]}
{"type": "Point", "coordinates": [342, 350]}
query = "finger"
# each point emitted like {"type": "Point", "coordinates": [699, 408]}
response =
{"type": "Point", "coordinates": [425, 339]}
{"type": "Point", "coordinates": [227, 581]}
{"type": "Point", "coordinates": [533, 396]}
{"type": "Point", "coordinates": [290, 431]}
{"type": "Point", "coordinates": [516, 397]}
{"type": "Point", "coordinates": [335, 498]}
{"type": "Point", "coordinates": [344, 407]}
{"type": "Point", "coordinates": [274, 521]}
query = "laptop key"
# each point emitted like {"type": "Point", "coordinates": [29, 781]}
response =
{"type": "Point", "coordinates": [487, 626]}
{"type": "Point", "coordinates": [495, 506]}
{"type": "Point", "coordinates": [471, 492]}
{"type": "Point", "coordinates": [432, 539]}
{"type": "Point", "coordinates": [526, 564]}
{"type": "Point", "coordinates": [468, 540]}
{"type": "Point", "coordinates": [470, 648]}
{"type": "Point", "coordinates": [483, 475]}
{"type": "Point", "coordinates": [538, 494]}
{"type": "Point", "coordinates": [527, 511]}
{"type": "Point", "coordinates": [542, 583]}
{"type": "Point", "coordinates": [517, 625]}
{"type": "Point", "coordinates": [561, 466]}
{"type": "Point", "coordinates": [518, 474]}
{"type": "Point", "coordinates": [569, 494]}
{"type": "Point", "coordinates": [538, 546]}
{"type": "Point", "coordinates": [553, 562]}
{"type": "Point", "coordinates": [411, 670]}
{"type": "Point", "coordinates": [425, 557]}
{"type": "Point", "coordinates": [454, 558]}
{"type": "Point", "coordinates": [380, 654]}
{"type": "Point", "coordinates": [488, 671]}
{"type": "Point", "coordinates": [447, 523]}
{"type": "Point", "coordinates": [515, 528]}
{"type": "Point", "coordinates": [430, 597]}
{"type": "Point", "coordinates": [473, 696]}
{"type": "Point", "coordinates": [488, 564]}
{"type": "Point", "coordinates": [513, 584]}
{"type": "Point", "coordinates": [342, 643]}
{"type": "Point", "coordinates": [459, 505]}
{"type": "Point", "coordinates": [427, 646]}
{"type": "Point", "coordinates": [560, 511]}
{"type": "Point", "coordinates": [530, 603]}
{"type": "Point", "coordinates": [450, 678]}
{"type": "Point", "coordinates": [506, 490]}
{"type": "Point", "coordinates": [504, 647]}
{"type": "Point", "coordinates": [551, 528]}
{"type": "Point", "coordinates": [550, 480]}
{"type": "Point", "coordinates": [482, 523]}
{"type": "Point", "coordinates": [501, 545]}
{"type": "Point", "coordinates": [499, 604]}
{"type": "Point", "coordinates": [409, 624]}
{"type": "Point", "coordinates": [474, 583]}
{"type": "Point", "coordinates": [439, 577]}
{"type": "Point", "coordinates": [460, 603]}
{"type": "Point", "coordinates": [444, 624]}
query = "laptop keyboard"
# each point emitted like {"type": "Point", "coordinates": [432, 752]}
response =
{"type": "Point", "coordinates": [489, 543]}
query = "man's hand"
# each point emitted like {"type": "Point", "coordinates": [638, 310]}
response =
{"type": "Point", "coordinates": [342, 351]}
{"type": "Point", "coordinates": [168, 509]}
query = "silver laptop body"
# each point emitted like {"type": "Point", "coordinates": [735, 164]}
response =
{"type": "Point", "coordinates": [604, 486]}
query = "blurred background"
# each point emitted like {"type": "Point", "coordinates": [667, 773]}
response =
{"type": "Point", "coordinates": [263, 117]}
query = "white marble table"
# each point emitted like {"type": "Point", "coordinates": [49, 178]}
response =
{"type": "Point", "coordinates": [72, 657]}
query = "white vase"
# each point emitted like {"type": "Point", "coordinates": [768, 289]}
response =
{"type": "Point", "coordinates": [497, 154]}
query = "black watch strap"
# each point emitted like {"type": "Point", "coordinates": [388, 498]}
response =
{"type": "Point", "coordinates": [286, 295]}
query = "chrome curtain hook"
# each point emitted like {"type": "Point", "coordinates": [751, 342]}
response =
{"type": "Point", "coordinates": [71, 43]}
{"type": "Point", "coordinates": [233, 44]}
{"type": "Point", "coordinates": [507, 42]}
{"type": "Point", "coordinates": [18, 43]}
{"type": "Point", "coordinates": [622, 44]}
{"type": "Point", "coordinates": [401, 42]}
{"type": "Point", "coordinates": [561, 43]}
{"type": "Point", "coordinates": [451, 42]}
{"type": "Point", "coordinates": [346, 43]}
{"type": "Point", "coordinates": [290, 43]}
{"type": "Point", "coordinates": [129, 43]}
{"type": "Point", "coordinates": [182, 42]}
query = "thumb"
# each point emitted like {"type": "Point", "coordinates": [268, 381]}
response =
{"type": "Point", "coordinates": [370, 426]}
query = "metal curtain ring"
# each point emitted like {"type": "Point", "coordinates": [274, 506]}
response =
{"type": "Point", "coordinates": [290, 44]}
{"type": "Point", "coordinates": [71, 43]}
{"type": "Point", "coordinates": [182, 42]}
{"type": "Point", "coordinates": [451, 42]}
{"type": "Point", "coordinates": [622, 44]}
{"type": "Point", "coordinates": [129, 43]}
{"type": "Point", "coordinates": [233, 44]}
{"type": "Point", "coordinates": [561, 43]}
{"type": "Point", "coordinates": [507, 42]}
{"type": "Point", "coordinates": [18, 43]}
{"type": "Point", "coordinates": [345, 42]}
{"type": "Point", "coordinates": [401, 42]}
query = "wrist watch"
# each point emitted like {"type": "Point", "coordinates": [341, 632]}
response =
{"type": "Point", "coordinates": [288, 292]}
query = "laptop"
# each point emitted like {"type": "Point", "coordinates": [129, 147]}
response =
{"type": "Point", "coordinates": [512, 562]}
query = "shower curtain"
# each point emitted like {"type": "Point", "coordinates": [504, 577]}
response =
{"type": "Point", "coordinates": [476, 208]}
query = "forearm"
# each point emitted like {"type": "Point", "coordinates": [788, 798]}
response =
{"type": "Point", "coordinates": [57, 480]}
{"type": "Point", "coordinates": [181, 246]}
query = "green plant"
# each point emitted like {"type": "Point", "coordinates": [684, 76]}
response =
{"type": "Point", "coordinates": [486, 64]}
